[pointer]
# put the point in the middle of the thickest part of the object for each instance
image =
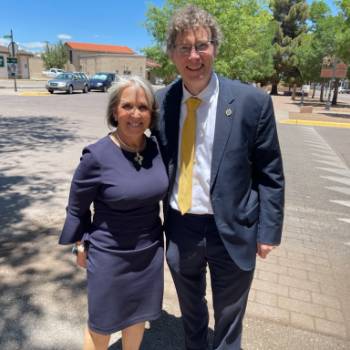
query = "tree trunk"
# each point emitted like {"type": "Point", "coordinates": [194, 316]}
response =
{"type": "Point", "coordinates": [294, 91]}
{"type": "Point", "coordinates": [335, 93]}
{"type": "Point", "coordinates": [274, 90]}
{"type": "Point", "coordinates": [314, 90]}
{"type": "Point", "coordinates": [321, 93]}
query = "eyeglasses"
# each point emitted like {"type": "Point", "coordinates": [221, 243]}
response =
{"type": "Point", "coordinates": [185, 50]}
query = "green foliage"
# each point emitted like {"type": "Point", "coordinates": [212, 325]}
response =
{"type": "Point", "coordinates": [290, 17]}
{"type": "Point", "coordinates": [166, 70]}
{"type": "Point", "coordinates": [328, 36]}
{"type": "Point", "coordinates": [343, 34]}
{"type": "Point", "coordinates": [246, 51]}
{"type": "Point", "coordinates": [287, 41]}
{"type": "Point", "coordinates": [55, 55]}
{"type": "Point", "coordinates": [309, 56]}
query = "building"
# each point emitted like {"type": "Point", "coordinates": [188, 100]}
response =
{"type": "Point", "coordinates": [84, 57]}
{"type": "Point", "coordinates": [22, 64]}
{"type": "Point", "coordinates": [93, 58]}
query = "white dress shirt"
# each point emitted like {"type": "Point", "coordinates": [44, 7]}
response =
{"type": "Point", "coordinates": [205, 128]}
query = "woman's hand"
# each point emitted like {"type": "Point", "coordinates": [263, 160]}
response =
{"type": "Point", "coordinates": [80, 251]}
{"type": "Point", "coordinates": [81, 259]}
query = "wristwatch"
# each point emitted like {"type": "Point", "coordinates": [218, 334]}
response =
{"type": "Point", "coordinates": [78, 248]}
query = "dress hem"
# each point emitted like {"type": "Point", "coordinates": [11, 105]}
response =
{"type": "Point", "coordinates": [123, 325]}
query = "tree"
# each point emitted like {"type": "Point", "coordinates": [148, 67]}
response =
{"type": "Point", "coordinates": [290, 17]}
{"type": "Point", "coordinates": [55, 55]}
{"type": "Point", "coordinates": [246, 51]}
{"type": "Point", "coordinates": [329, 36]}
{"type": "Point", "coordinates": [343, 36]}
{"type": "Point", "coordinates": [166, 70]}
{"type": "Point", "coordinates": [310, 52]}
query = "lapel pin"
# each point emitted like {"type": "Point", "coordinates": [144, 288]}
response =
{"type": "Point", "coordinates": [228, 112]}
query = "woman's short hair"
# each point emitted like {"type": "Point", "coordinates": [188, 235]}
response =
{"type": "Point", "coordinates": [115, 94]}
{"type": "Point", "coordinates": [192, 17]}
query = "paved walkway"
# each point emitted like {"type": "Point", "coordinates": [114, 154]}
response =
{"type": "Point", "coordinates": [314, 113]}
{"type": "Point", "coordinates": [300, 294]}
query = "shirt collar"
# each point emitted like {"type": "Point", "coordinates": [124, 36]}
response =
{"type": "Point", "coordinates": [206, 94]}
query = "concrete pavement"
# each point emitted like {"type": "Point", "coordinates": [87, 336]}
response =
{"type": "Point", "coordinates": [300, 294]}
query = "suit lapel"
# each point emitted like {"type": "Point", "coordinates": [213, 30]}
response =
{"type": "Point", "coordinates": [172, 109]}
{"type": "Point", "coordinates": [223, 125]}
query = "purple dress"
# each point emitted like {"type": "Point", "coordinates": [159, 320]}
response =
{"type": "Point", "coordinates": [125, 255]}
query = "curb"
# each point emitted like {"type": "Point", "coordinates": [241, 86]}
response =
{"type": "Point", "coordinates": [314, 123]}
{"type": "Point", "coordinates": [34, 93]}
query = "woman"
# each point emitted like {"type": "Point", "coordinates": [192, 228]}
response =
{"type": "Point", "coordinates": [123, 175]}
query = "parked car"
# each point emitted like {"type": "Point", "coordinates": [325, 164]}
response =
{"type": "Point", "coordinates": [67, 82]}
{"type": "Point", "coordinates": [52, 72]}
{"type": "Point", "coordinates": [83, 76]}
{"type": "Point", "coordinates": [342, 90]}
{"type": "Point", "coordinates": [101, 81]}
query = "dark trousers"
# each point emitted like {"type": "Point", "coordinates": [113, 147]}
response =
{"type": "Point", "coordinates": [193, 242]}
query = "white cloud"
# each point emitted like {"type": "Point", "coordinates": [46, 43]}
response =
{"type": "Point", "coordinates": [4, 42]}
{"type": "Point", "coordinates": [27, 46]}
{"type": "Point", "coordinates": [64, 36]}
{"type": "Point", "coordinates": [33, 45]}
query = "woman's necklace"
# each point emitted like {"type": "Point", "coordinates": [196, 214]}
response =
{"type": "Point", "coordinates": [138, 157]}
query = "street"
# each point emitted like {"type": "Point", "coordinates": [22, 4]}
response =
{"type": "Point", "coordinates": [300, 294]}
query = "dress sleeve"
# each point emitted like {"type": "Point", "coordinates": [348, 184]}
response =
{"type": "Point", "coordinates": [84, 187]}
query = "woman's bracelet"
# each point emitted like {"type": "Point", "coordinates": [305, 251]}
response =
{"type": "Point", "coordinates": [78, 248]}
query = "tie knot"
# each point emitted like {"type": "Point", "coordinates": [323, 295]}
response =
{"type": "Point", "coordinates": [193, 103]}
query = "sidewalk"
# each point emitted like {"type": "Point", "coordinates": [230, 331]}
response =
{"type": "Point", "coordinates": [300, 294]}
{"type": "Point", "coordinates": [314, 113]}
{"type": "Point", "coordinates": [23, 85]}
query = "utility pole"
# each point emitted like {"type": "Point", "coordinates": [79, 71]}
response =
{"type": "Point", "coordinates": [12, 59]}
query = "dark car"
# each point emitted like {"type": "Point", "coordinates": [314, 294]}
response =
{"type": "Point", "coordinates": [101, 81]}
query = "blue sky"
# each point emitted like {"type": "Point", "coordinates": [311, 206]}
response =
{"type": "Point", "coordinates": [116, 22]}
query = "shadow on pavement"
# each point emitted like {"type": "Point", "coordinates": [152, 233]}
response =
{"type": "Point", "coordinates": [37, 278]}
{"type": "Point", "coordinates": [166, 333]}
{"type": "Point", "coordinates": [316, 103]}
{"type": "Point", "coordinates": [29, 133]}
{"type": "Point", "coordinates": [337, 115]}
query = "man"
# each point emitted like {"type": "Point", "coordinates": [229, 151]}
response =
{"type": "Point", "coordinates": [225, 204]}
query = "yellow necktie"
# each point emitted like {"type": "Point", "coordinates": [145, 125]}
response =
{"type": "Point", "coordinates": [187, 155]}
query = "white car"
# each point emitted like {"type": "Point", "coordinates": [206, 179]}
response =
{"type": "Point", "coordinates": [342, 90]}
{"type": "Point", "coordinates": [52, 72]}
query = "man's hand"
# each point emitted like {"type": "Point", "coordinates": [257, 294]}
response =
{"type": "Point", "coordinates": [81, 259]}
{"type": "Point", "coordinates": [264, 249]}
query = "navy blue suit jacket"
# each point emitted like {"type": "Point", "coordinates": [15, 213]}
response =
{"type": "Point", "coordinates": [247, 182]}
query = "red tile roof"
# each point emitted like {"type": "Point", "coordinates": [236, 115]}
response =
{"type": "Point", "coordinates": [99, 48]}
